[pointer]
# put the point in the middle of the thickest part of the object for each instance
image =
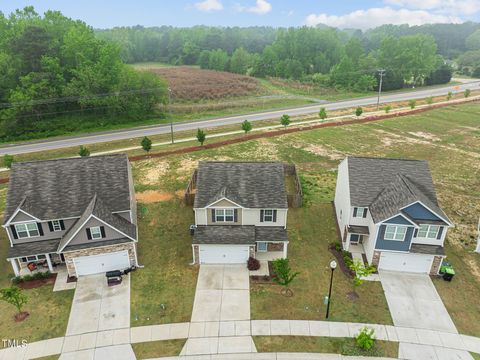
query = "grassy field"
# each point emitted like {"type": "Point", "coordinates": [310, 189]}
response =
{"type": "Point", "coordinates": [155, 349]}
{"type": "Point", "coordinates": [345, 346]}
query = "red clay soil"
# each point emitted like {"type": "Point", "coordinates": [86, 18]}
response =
{"type": "Point", "coordinates": [36, 283]}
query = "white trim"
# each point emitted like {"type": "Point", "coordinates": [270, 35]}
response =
{"type": "Point", "coordinates": [114, 228]}
{"type": "Point", "coordinates": [49, 262]}
{"type": "Point", "coordinates": [193, 253]}
{"type": "Point", "coordinates": [268, 221]}
{"type": "Point", "coordinates": [395, 232]}
{"type": "Point", "coordinates": [14, 264]}
{"type": "Point", "coordinates": [97, 231]}
{"type": "Point", "coordinates": [433, 212]}
{"type": "Point", "coordinates": [224, 198]}
{"type": "Point", "coordinates": [27, 230]}
{"type": "Point", "coordinates": [9, 237]}
{"type": "Point", "coordinates": [394, 216]}
{"type": "Point", "coordinates": [224, 215]}
{"type": "Point", "coordinates": [285, 226]}
{"type": "Point", "coordinates": [285, 246]}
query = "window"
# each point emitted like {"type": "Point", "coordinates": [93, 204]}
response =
{"type": "Point", "coordinates": [428, 231]}
{"type": "Point", "coordinates": [261, 246]}
{"type": "Point", "coordinates": [32, 258]}
{"type": "Point", "coordinates": [96, 232]}
{"type": "Point", "coordinates": [360, 212]}
{"type": "Point", "coordinates": [268, 215]}
{"type": "Point", "coordinates": [394, 232]}
{"type": "Point", "coordinates": [224, 215]}
{"type": "Point", "coordinates": [56, 225]}
{"type": "Point", "coordinates": [26, 230]}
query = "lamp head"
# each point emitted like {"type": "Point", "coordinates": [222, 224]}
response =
{"type": "Point", "coordinates": [333, 264]}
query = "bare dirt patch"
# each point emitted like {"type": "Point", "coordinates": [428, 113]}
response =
{"type": "Point", "coordinates": [152, 196]}
{"type": "Point", "coordinates": [155, 169]}
{"type": "Point", "coordinates": [324, 152]}
{"type": "Point", "coordinates": [425, 135]}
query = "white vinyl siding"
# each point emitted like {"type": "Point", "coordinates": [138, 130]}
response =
{"type": "Point", "coordinates": [26, 230]}
{"type": "Point", "coordinates": [428, 231]}
{"type": "Point", "coordinates": [395, 232]}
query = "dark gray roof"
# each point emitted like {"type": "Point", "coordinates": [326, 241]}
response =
{"type": "Point", "coordinates": [357, 229]}
{"type": "Point", "coordinates": [63, 188]}
{"type": "Point", "coordinates": [270, 233]}
{"type": "Point", "coordinates": [96, 244]}
{"type": "Point", "coordinates": [33, 248]}
{"type": "Point", "coordinates": [427, 249]}
{"type": "Point", "coordinates": [224, 234]}
{"type": "Point", "coordinates": [386, 185]}
{"type": "Point", "coordinates": [249, 184]}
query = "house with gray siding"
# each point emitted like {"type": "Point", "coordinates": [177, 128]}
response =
{"type": "Point", "coordinates": [79, 213]}
{"type": "Point", "coordinates": [240, 212]}
{"type": "Point", "coordinates": [388, 210]}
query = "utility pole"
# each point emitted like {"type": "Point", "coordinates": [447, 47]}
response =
{"type": "Point", "coordinates": [169, 111]}
{"type": "Point", "coordinates": [381, 72]}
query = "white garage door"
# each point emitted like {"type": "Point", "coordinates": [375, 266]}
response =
{"type": "Point", "coordinates": [95, 264]}
{"type": "Point", "coordinates": [417, 263]}
{"type": "Point", "coordinates": [223, 254]}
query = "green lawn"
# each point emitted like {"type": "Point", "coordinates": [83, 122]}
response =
{"type": "Point", "coordinates": [345, 346]}
{"type": "Point", "coordinates": [155, 349]}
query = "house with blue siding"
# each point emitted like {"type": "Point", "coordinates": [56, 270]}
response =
{"type": "Point", "coordinates": [387, 209]}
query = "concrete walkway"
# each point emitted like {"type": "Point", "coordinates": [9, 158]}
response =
{"type": "Point", "coordinates": [272, 356]}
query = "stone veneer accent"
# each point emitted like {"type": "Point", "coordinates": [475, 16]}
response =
{"type": "Point", "coordinates": [69, 256]}
{"type": "Point", "coordinates": [274, 246]}
{"type": "Point", "coordinates": [376, 258]}
{"type": "Point", "coordinates": [437, 261]}
{"type": "Point", "coordinates": [196, 250]}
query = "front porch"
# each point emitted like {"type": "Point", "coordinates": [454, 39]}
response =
{"type": "Point", "coordinates": [28, 265]}
{"type": "Point", "coordinates": [269, 255]}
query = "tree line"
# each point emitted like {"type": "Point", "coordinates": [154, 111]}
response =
{"type": "Point", "coordinates": [57, 76]}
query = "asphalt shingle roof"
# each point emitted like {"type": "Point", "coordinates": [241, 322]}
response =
{"type": "Point", "coordinates": [63, 188]}
{"type": "Point", "coordinates": [249, 184]}
{"type": "Point", "coordinates": [238, 234]}
{"type": "Point", "coordinates": [33, 248]}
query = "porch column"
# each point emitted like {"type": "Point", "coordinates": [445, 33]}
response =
{"type": "Point", "coordinates": [16, 270]}
{"type": "Point", "coordinates": [285, 246]}
{"type": "Point", "coordinates": [49, 262]}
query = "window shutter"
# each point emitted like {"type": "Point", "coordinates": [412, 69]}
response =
{"type": "Point", "coordinates": [440, 232]}
{"type": "Point", "coordinates": [415, 233]}
{"type": "Point", "coordinates": [14, 231]}
{"type": "Point", "coordinates": [381, 232]}
{"type": "Point", "coordinates": [40, 229]}
{"type": "Point", "coordinates": [365, 212]}
{"type": "Point", "coordinates": [50, 226]}
{"type": "Point", "coordinates": [261, 215]}
{"type": "Point", "coordinates": [62, 225]}
{"type": "Point", "coordinates": [274, 215]}
{"type": "Point", "coordinates": [102, 230]}
{"type": "Point", "coordinates": [235, 215]}
{"type": "Point", "coordinates": [89, 234]}
{"type": "Point", "coordinates": [213, 216]}
{"type": "Point", "coordinates": [355, 212]}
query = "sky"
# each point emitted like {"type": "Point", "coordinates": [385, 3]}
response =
{"type": "Point", "coordinates": [361, 14]}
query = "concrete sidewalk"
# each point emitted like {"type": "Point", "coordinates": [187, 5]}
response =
{"type": "Point", "coordinates": [272, 356]}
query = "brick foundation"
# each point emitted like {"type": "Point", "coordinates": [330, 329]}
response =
{"type": "Point", "coordinates": [437, 261]}
{"type": "Point", "coordinates": [69, 256]}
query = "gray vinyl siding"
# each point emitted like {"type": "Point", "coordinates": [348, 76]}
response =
{"type": "Point", "coordinates": [125, 215]}
{"type": "Point", "coordinates": [47, 234]}
{"type": "Point", "coordinates": [22, 217]}
{"type": "Point", "coordinates": [81, 236]}
{"type": "Point", "coordinates": [394, 245]}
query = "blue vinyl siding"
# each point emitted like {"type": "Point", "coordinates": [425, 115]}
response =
{"type": "Point", "coordinates": [383, 244]}
{"type": "Point", "coordinates": [399, 220]}
{"type": "Point", "coordinates": [419, 212]}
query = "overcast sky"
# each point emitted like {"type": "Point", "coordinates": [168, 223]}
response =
{"type": "Point", "coordinates": [361, 14]}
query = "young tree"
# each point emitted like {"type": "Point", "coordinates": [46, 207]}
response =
{"type": "Point", "coordinates": [201, 136]}
{"type": "Point", "coordinates": [246, 126]}
{"type": "Point", "coordinates": [8, 161]}
{"type": "Point", "coordinates": [322, 113]}
{"type": "Point", "coordinates": [146, 144]}
{"type": "Point", "coordinates": [285, 120]}
{"type": "Point", "coordinates": [83, 151]}
{"type": "Point", "coordinates": [284, 275]}
{"type": "Point", "coordinates": [358, 111]}
{"type": "Point", "coordinates": [365, 338]}
{"type": "Point", "coordinates": [412, 103]}
{"type": "Point", "coordinates": [14, 296]}
{"type": "Point", "coordinates": [449, 95]}
{"type": "Point", "coordinates": [388, 108]}
{"type": "Point", "coordinates": [361, 271]}
{"type": "Point", "coordinates": [467, 93]}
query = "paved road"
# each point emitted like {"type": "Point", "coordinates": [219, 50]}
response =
{"type": "Point", "coordinates": [64, 142]}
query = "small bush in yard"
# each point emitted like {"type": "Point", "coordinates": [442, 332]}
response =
{"type": "Point", "coordinates": [201, 136]}
{"type": "Point", "coordinates": [388, 108]}
{"type": "Point", "coordinates": [146, 144]}
{"type": "Point", "coordinates": [467, 93]}
{"type": "Point", "coordinates": [365, 338]}
{"type": "Point", "coordinates": [358, 111]}
{"type": "Point", "coordinates": [246, 126]}
{"type": "Point", "coordinates": [285, 120]}
{"type": "Point", "coordinates": [83, 151]}
{"type": "Point", "coordinates": [253, 264]}
{"type": "Point", "coordinates": [449, 95]}
{"type": "Point", "coordinates": [323, 113]}
{"type": "Point", "coordinates": [412, 104]}
{"type": "Point", "coordinates": [8, 161]}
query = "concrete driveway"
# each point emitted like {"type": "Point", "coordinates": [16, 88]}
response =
{"type": "Point", "coordinates": [97, 307]}
{"type": "Point", "coordinates": [222, 293]}
{"type": "Point", "coordinates": [414, 302]}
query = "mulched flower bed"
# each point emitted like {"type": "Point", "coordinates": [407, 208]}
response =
{"type": "Point", "coordinates": [36, 283]}
{"type": "Point", "coordinates": [341, 262]}
{"type": "Point", "coordinates": [267, 279]}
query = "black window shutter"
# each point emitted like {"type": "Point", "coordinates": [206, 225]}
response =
{"type": "Point", "coordinates": [365, 212]}
{"type": "Point", "coordinates": [261, 215]}
{"type": "Point", "coordinates": [415, 233]}
{"type": "Point", "coordinates": [40, 229]}
{"type": "Point", "coordinates": [62, 225]}
{"type": "Point", "coordinates": [381, 233]}
{"type": "Point", "coordinates": [440, 231]}
{"type": "Point", "coordinates": [235, 215]}
{"type": "Point", "coordinates": [355, 212]}
{"type": "Point", "coordinates": [14, 231]}
{"type": "Point", "coordinates": [89, 234]}
{"type": "Point", "coordinates": [274, 215]}
{"type": "Point", "coordinates": [213, 215]}
{"type": "Point", "coordinates": [50, 226]}
{"type": "Point", "coordinates": [102, 230]}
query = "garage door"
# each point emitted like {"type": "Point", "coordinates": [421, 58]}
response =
{"type": "Point", "coordinates": [223, 254]}
{"type": "Point", "coordinates": [417, 263]}
{"type": "Point", "coordinates": [95, 264]}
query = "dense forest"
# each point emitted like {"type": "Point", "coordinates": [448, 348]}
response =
{"type": "Point", "coordinates": [331, 57]}
{"type": "Point", "coordinates": [53, 69]}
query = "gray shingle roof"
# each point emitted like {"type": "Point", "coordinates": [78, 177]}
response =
{"type": "Point", "coordinates": [238, 234]}
{"type": "Point", "coordinates": [386, 185]}
{"type": "Point", "coordinates": [271, 233]}
{"type": "Point", "coordinates": [63, 188]}
{"type": "Point", "coordinates": [96, 244]}
{"type": "Point", "coordinates": [249, 184]}
{"type": "Point", "coordinates": [33, 248]}
{"type": "Point", "coordinates": [427, 249]}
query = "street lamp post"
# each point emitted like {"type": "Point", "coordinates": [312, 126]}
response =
{"type": "Point", "coordinates": [169, 111]}
{"type": "Point", "coordinates": [333, 265]}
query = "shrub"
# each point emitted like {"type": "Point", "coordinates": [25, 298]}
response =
{"type": "Point", "coordinates": [41, 275]}
{"type": "Point", "coordinates": [365, 339]}
{"type": "Point", "coordinates": [467, 93]}
{"type": "Point", "coordinates": [146, 144]}
{"type": "Point", "coordinates": [284, 274]}
{"type": "Point", "coordinates": [322, 113]}
{"type": "Point", "coordinates": [449, 95]}
{"type": "Point", "coordinates": [338, 246]}
{"type": "Point", "coordinates": [83, 151]}
{"type": "Point", "coordinates": [246, 126]}
{"type": "Point", "coordinates": [201, 136]}
{"type": "Point", "coordinates": [388, 108]}
{"type": "Point", "coordinates": [285, 120]}
{"type": "Point", "coordinates": [412, 104]}
{"type": "Point", "coordinates": [358, 111]}
{"type": "Point", "coordinates": [17, 280]}
{"type": "Point", "coordinates": [8, 161]}
{"type": "Point", "coordinates": [28, 277]}
{"type": "Point", "coordinates": [253, 264]}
